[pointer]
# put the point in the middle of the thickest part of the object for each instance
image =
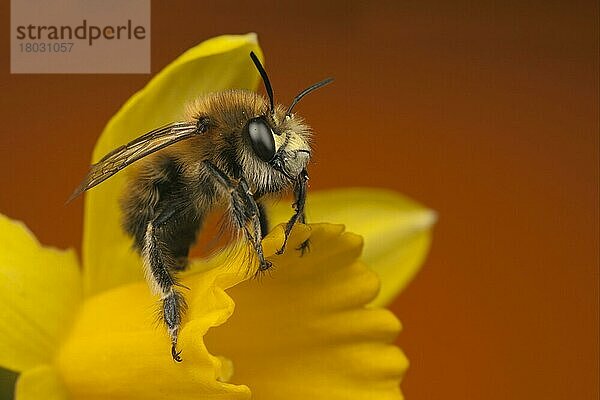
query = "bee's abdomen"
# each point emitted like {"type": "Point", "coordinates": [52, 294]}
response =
{"type": "Point", "coordinates": [160, 193]}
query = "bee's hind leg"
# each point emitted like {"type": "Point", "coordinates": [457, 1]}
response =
{"type": "Point", "coordinates": [158, 264]}
{"type": "Point", "coordinates": [161, 217]}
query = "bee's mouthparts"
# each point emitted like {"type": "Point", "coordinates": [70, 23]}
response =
{"type": "Point", "coordinates": [278, 165]}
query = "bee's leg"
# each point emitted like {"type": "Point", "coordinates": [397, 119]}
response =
{"type": "Point", "coordinates": [264, 220]}
{"type": "Point", "coordinates": [299, 215]}
{"type": "Point", "coordinates": [254, 215]}
{"type": "Point", "coordinates": [304, 246]}
{"type": "Point", "coordinates": [182, 226]}
{"type": "Point", "coordinates": [158, 262]}
{"type": "Point", "coordinates": [162, 218]}
{"type": "Point", "coordinates": [244, 210]}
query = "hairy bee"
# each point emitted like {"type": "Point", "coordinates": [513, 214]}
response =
{"type": "Point", "coordinates": [234, 148]}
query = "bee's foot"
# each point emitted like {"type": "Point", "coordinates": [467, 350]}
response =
{"type": "Point", "coordinates": [282, 249]}
{"type": "Point", "coordinates": [265, 266]}
{"type": "Point", "coordinates": [304, 247]}
{"type": "Point", "coordinates": [176, 354]}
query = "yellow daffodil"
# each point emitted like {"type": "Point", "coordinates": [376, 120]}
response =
{"type": "Point", "coordinates": [312, 331]}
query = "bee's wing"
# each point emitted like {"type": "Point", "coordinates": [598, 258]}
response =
{"type": "Point", "coordinates": [127, 154]}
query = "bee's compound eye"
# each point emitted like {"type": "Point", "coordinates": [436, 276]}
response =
{"type": "Point", "coordinates": [261, 138]}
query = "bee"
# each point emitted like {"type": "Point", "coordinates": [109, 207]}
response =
{"type": "Point", "coordinates": [233, 149]}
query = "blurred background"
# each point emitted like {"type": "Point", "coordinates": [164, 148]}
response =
{"type": "Point", "coordinates": [485, 111]}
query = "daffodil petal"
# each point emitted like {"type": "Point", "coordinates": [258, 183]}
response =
{"type": "Point", "coordinates": [216, 64]}
{"type": "Point", "coordinates": [396, 230]}
{"type": "Point", "coordinates": [305, 332]}
{"type": "Point", "coordinates": [119, 350]}
{"type": "Point", "coordinates": [40, 291]}
{"type": "Point", "coordinates": [41, 382]}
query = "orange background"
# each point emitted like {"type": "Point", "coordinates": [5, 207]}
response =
{"type": "Point", "coordinates": [485, 111]}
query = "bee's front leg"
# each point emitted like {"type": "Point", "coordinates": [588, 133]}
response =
{"type": "Point", "coordinates": [244, 210]}
{"type": "Point", "coordinates": [299, 215]}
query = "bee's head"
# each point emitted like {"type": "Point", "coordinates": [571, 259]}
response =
{"type": "Point", "coordinates": [279, 137]}
{"type": "Point", "coordinates": [281, 141]}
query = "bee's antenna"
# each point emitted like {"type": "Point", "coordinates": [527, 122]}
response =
{"type": "Point", "coordinates": [306, 91]}
{"type": "Point", "coordinates": [265, 79]}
